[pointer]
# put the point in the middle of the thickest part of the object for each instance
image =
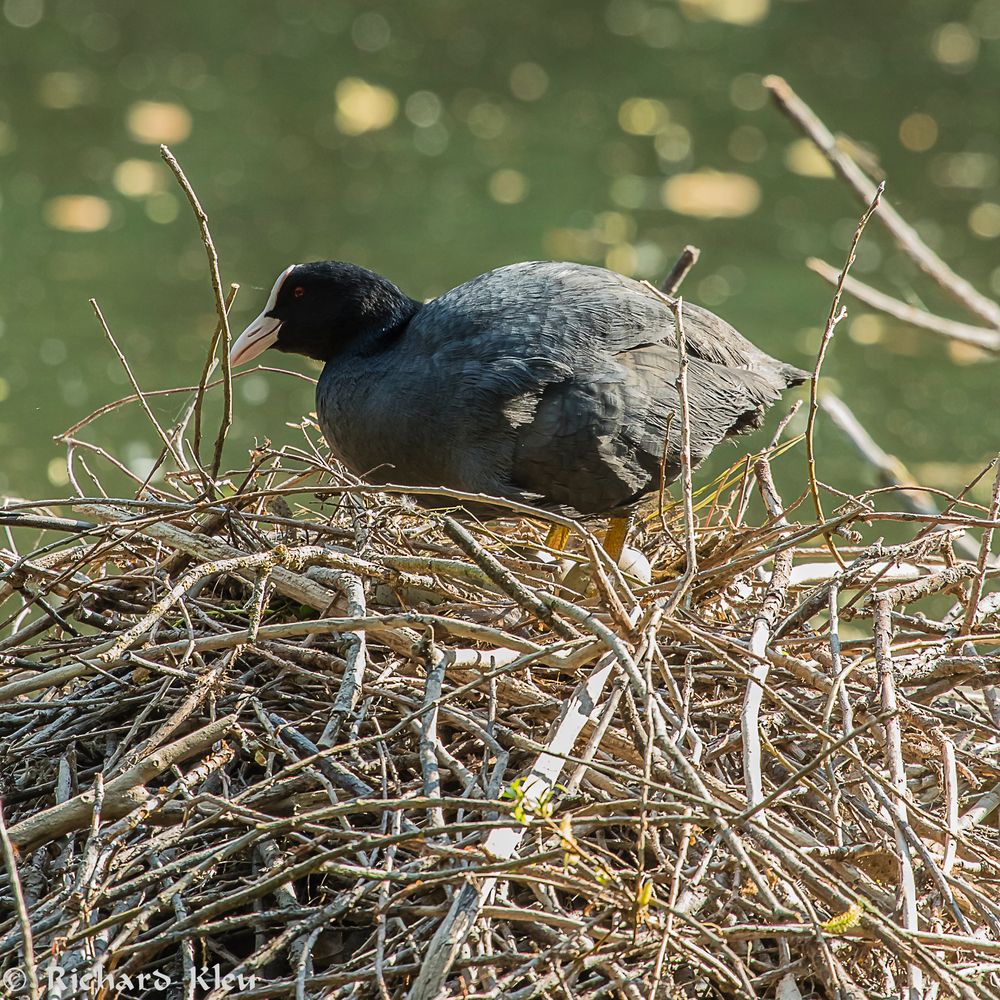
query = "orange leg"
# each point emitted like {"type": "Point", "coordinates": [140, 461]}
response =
{"type": "Point", "coordinates": [614, 537]}
{"type": "Point", "coordinates": [557, 538]}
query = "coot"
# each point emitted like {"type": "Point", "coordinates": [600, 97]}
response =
{"type": "Point", "coordinates": [548, 383]}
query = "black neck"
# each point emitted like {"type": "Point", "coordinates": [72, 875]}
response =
{"type": "Point", "coordinates": [384, 332]}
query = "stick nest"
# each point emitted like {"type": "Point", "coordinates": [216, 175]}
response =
{"type": "Point", "coordinates": [315, 737]}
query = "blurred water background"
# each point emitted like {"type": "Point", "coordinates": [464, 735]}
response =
{"type": "Point", "coordinates": [435, 140]}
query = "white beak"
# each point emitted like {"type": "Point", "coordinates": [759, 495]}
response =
{"type": "Point", "coordinates": [263, 331]}
{"type": "Point", "coordinates": [254, 340]}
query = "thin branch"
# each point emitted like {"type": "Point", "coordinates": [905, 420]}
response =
{"type": "Point", "coordinates": [210, 363]}
{"type": "Point", "coordinates": [763, 625]}
{"type": "Point", "coordinates": [835, 316]}
{"type": "Point", "coordinates": [682, 266]}
{"type": "Point", "coordinates": [687, 491]}
{"type": "Point", "coordinates": [897, 772]}
{"type": "Point", "coordinates": [23, 918]}
{"type": "Point", "coordinates": [983, 559]}
{"type": "Point", "coordinates": [901, 231]}
{"type": "Point", "coordinates": [168, 443]}
{"type": "Point", "coordinates": [220, 305]}
{"type": "Point", "coordinates": [978, 336]}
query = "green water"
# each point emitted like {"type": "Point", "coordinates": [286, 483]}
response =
{"type": "Point", "coordinates": [495, 133]}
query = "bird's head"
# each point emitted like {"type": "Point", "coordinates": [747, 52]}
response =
{"type": "Point", "coordinates": [319, 309]}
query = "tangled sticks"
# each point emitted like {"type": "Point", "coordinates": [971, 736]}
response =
{"type": "Point", "coordinates": [299, 753]}
{"type": "Point", "coordinates": [286, 726]}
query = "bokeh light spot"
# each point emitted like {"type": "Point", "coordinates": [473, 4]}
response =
{"type": "Point", "coordinates": [663, 31]}
{"type": "Point", "coordinates": [508, 187]}
{"type": "Point", "coordinates": [866, 329]}
{"type": "Point", "coordinates": [8, 141]}
{"type": "Point", "coordinates": [57, 472]}
{"type": "Point", "coordinates": [711, 194]}
{"type": "Point", "coordinates": [363, 106]}
{"type": "Point", "coordinates": [629, 191]}
{"type": "Point", "coordinates": [808, 340]}
{"type": "Point", "coordinates": [254, 389]}
{"type": "Point", "coordinates": [613, 227]}
{"type": "Point", "coordinates": [486, 120]}
{"type": "Point", "coordinates": [99, 32]}
{"type": "Point", "coordinates": [162, 207]}
{"type": "Point", "coordinates": [153, 122]}
{"type": "Point", "coordinates": [967, 354]}
{"type": "Point", "coordinates": [570, 244]}
{"type": "Point", "coordinates": [728, 11]}
{"type": "Point", "coordinates": [138, 459]}
{"type": "Point", "coordinates": [714, 290]}
{"type": "Point", "coordinates": [137, 178]}
{"type": "Point", "coordinates": [432, 140]}
{"type": "Point", "coordinates": [423, 108]}
{"type": "Point", "coordinates": [955, 46]}
{"type": "Point", "coordinates": [23, 13]}
{"type": "Point", "coordinates": [77, 213]}
{"type": "Point", "coordinates": [673, 143]}
{"type": "Point", "coordinates": [52, 351]}
{"type": "Point", "coordinates": [984, 220]}
{"type": "Point", "coordinates": [804, 158]}
{"type": "Point", "coordinates": [626, 17]}
{"type": "Point", "coordinates": [60, 90]}
{"type": "Point", "coordinates": [528, 81]}
{"type": "Point", "coordinates": [370, 31]}
{"type": "Point", "coordinates": [918, 132]}
{"type": "Point", "coordinates": [642, 115]}
{"type": "Point", "coordinates": [622, 258]}
{"type": "Point", "coordinates": [747, 92]}
{"type": "Point", "coordinates": [965, 170]}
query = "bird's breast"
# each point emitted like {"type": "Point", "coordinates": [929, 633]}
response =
{"type": "Point", "coordinates": [384, 422]}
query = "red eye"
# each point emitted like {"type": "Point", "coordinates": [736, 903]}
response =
{"type": "Point", "coordinates": [299, 292]}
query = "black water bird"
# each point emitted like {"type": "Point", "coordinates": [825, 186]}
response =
{"type": "Point", "coordinates": [552, 384]}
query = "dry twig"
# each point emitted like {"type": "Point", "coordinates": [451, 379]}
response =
{"type": "Point", "coordinates": [451, 781]}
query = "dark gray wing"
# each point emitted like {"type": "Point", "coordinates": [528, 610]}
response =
{"type": "Point", "coordinates": [561, 383]}
{"type": "Point", "coordinates": [571, 311]}
{"type": "Point", "coordinates": [596, 443]}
